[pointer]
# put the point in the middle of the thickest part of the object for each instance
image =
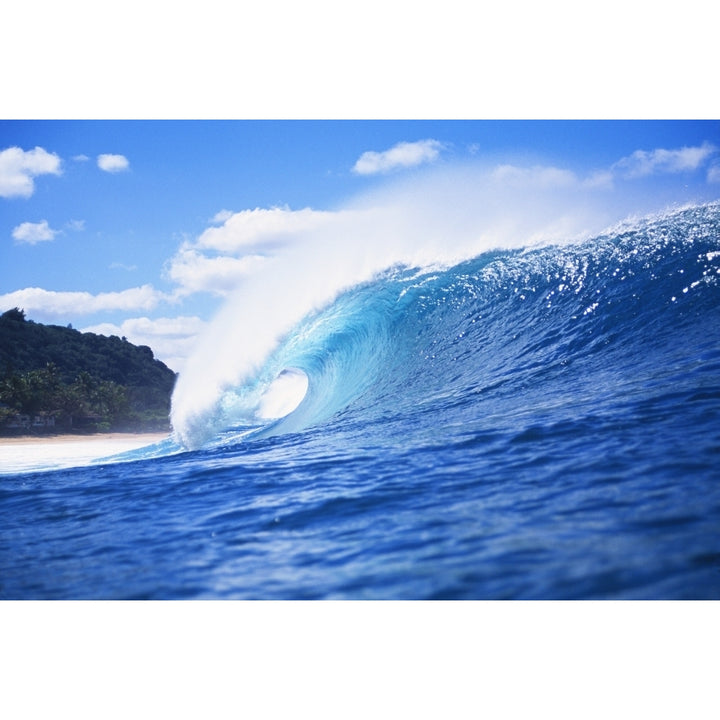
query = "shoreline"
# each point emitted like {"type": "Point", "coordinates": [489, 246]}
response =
{"type": "Point", "coordinates": [62, 438]}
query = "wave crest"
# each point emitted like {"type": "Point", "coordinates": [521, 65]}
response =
{"type": "Point", "coordinates": [289, 354]}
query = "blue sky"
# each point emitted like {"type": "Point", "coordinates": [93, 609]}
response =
{"type": "Point", "coordinates": [143, 228]}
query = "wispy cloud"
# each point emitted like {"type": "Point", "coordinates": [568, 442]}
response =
{"type": "Point", "coordinates": [18, 168]}
{"type": "Point", "coordinates": [77, 225]}
{"type": "Point", "coordinates": [641, 164]}
{"type": "Point", "coordinates": [650, 162]}
{"type": "Point", "coordinates": [402, 155]}
{"type": "Point", "coordinates": [122, 266]}
{"type": "Point", "coordinates": [47, 304]}
{"type": "Point", "coordinates": [33, 233]}
{"type": "Point", "coordinates": [221, 217]}
{"type": "Point", "coordinates": [113, 163]}
{"type": "Point", "coordinates": [171, 339]}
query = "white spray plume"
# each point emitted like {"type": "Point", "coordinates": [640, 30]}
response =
{"type": "Point", "coordinates": [440, 218]}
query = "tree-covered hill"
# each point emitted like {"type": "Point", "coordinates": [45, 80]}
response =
{"type": "Point", "coordinates": [68, 380]}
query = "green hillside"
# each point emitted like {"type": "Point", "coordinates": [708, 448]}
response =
{"type": "Point", "coordinates": [59, 379]}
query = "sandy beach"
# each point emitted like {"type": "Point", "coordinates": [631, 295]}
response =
{"type": "Point", "coordinates": [41, 452]}
{"type": "Point", "coordinates": [132, 438]}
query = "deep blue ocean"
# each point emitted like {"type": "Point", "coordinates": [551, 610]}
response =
{"type": "Point", "coordinates": [535, 423]}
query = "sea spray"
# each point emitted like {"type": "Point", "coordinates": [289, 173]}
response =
{"type": "Point", "coordinates": [434, 220]}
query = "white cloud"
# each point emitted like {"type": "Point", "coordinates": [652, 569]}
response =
{"type": "Point", "coordinates": [221, 257]}
{"type": "Point", "coordinates": [643, 162]}
{"type": "Point", "coordinates": [122, 266]}
{"type": "Point", "coordinates": [18, 168]}
{"type": "Point", "coordinates": [177, 327]}
{"type": "Point", "coordinates": [75, 225]}
{"type": "Point", "coordinates": [46, 304]}
{"type": "Point", "coordinates": [639, 164]}
{"type": "Point", "coordinates": [713, 174]}
{"type": "Point", "coordinates": [80, 158]}
{"type": "Point", "coordinates": [113, 163]}
{"type": "Point", "coordinates": [171, 339]}
{"type": "Point", "coordinates": [32, 233]}
{"type": "Point", "coordinates": [221, 216]}
{"type": "Point", "coordinates": [251, 228]}
{"type": "Point", "coordinates": [402, 155]}
{"type": "Point", "coordinates": [195, 272]}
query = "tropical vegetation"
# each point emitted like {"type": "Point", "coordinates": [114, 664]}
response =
{"type": "Point", "coordinates": [56, 378]}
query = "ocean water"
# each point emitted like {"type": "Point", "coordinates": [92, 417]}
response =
{"type": "Point", "coordinates": [539, 422]}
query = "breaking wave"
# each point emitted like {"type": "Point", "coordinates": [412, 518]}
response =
{"type": "Point", "coordinates": [454, 335]}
